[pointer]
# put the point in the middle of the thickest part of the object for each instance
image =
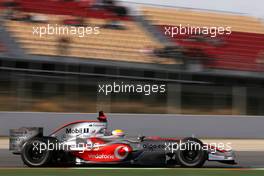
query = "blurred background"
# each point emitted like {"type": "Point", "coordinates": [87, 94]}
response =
{"type": "Point", "coordinates": [60, 73]}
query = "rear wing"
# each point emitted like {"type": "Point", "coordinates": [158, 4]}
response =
{"type": "Point", "coordinates": [17, 137]}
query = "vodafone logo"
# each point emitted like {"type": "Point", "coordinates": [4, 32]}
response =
{"type": "Point", "coordinates": [101, 156]}
{"type": "Point", "coordinates": [121, 152]}
{"type": "Point", "coordinates": [108, 153]}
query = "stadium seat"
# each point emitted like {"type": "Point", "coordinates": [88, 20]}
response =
{"type": "Point", "coordinates": [170, 16]}
{"type": "Point", "coordinates": [238, 51]}
{"type": "Point", "coordinates": [119, 45]}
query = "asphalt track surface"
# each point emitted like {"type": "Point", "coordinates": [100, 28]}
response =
{"type": "Point", "coordinates": [252, 159]}
{"type": "Point", "coordinates": [167, 125]}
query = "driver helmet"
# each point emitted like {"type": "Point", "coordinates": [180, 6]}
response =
{"type": "Point", "coordinates": [118, 133]}
{"type": "Point", "coordinates": [102, 117]}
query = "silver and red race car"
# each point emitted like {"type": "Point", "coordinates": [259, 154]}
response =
{"type": "Point", "coordinates": [88, 143]}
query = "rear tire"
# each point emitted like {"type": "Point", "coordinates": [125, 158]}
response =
{"type": "Point", "coordinates": [193, 155]}
{"type": "Point", "coordinates": [33, 156]}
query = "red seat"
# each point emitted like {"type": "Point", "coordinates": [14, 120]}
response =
{"type": "Point", "coordinates": [238, 51]}
{"type": "Point", "coordinates": [64, 8]}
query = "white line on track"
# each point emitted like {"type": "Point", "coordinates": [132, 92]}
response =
{"type": "Point", "coordinates": [256, 169]}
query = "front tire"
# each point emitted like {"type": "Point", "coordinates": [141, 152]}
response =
{"type": "Point", "coordinates": [33, 155]}
{"type": "Point", "coordinates": [193, 155]}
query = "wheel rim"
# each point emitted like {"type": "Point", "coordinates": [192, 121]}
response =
{"type": "Point", "coordinates": [191, 155]}
{"type": "Point", "coordinates": [34, 155]}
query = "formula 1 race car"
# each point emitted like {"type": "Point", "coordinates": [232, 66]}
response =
{"type": "Point", "coordinates": [88, 142]}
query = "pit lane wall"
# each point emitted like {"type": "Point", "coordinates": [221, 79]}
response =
{"type": "Point", "coordinates": [203, 126]}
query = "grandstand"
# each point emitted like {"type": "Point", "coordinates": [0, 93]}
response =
{"type": "Point", "coordinates": [123, 45]}
{"type": "Point", "coordinates": [58, 7]}
{"type": "Point", "coordinates": [62, 72]}
{"type": "Point", "coordinates": [174, 16]}
{"type": "Point", "coordinates": [238, 51]}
